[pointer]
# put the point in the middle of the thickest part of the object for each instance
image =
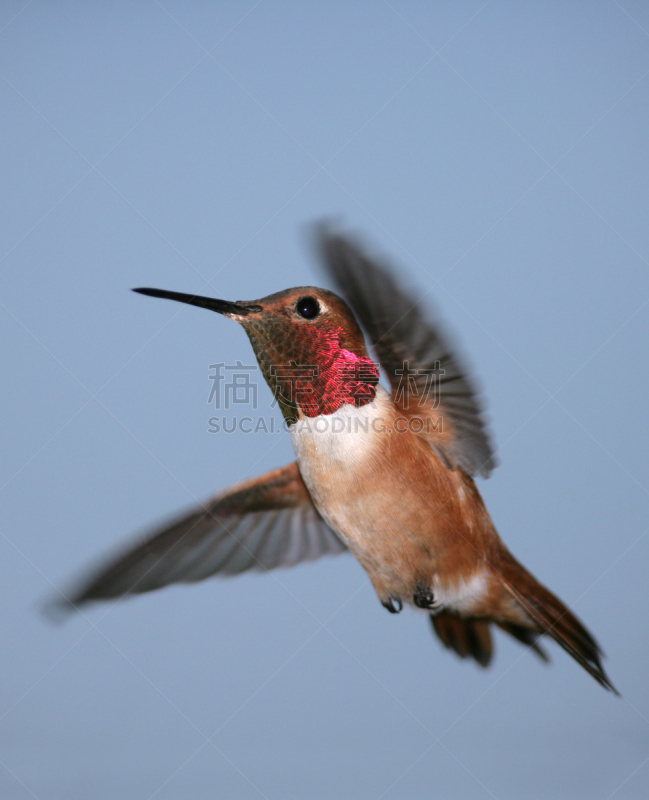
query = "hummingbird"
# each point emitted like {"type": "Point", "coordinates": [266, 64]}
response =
{"type": "Point", "coordinates": [388, 474]}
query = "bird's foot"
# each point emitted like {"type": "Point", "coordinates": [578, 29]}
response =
{"type": "Point", "coordinates": [393, 604]}
{"type": "Point", "coordinates": [423, 596]}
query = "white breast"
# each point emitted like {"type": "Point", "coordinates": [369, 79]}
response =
{"type": "Point", "coordinates": [337, 454]}
{"type": "Point", "coordinates": [342, 439]}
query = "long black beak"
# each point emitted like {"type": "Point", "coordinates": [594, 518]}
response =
{"type": "Point", "coordinates": [222, 306]}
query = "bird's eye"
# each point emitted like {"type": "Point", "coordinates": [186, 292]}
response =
{"type": "Point", "coordinates": [307, 307]}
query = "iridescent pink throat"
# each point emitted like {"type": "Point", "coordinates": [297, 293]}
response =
{"type": "Point", "coordinates": [337, 377]}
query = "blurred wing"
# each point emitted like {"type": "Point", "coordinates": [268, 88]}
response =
{"type": "Point", "coordinates": [427, 380]}
{"type": "Point", "coordinates": [263, 523]}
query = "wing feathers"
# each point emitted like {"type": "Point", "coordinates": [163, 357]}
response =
{"type": "Point", "coordinates": [427, 378]}
{"type": "Point", "coordinates": [261, 524]}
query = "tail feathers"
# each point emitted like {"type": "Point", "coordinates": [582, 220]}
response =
{"type": "Point", "coordinates": [526, 636]}
{"type": "Point", "coordinates": [468, 637]}
{"type": "Point", "coordinates": [552, 617]}
{"type": "Point", "coordinates": [471, 636]}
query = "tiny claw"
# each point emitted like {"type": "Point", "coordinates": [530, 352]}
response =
{"type": "Point", "coordinates": [423, 597]}
{"type": "Point", "coordinates": [390, 604]}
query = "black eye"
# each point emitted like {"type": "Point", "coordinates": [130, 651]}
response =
{"type": "Point", "coordinates": [307, 307]}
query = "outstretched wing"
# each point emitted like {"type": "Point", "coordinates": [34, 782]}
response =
{"type": "Point", "coordinates": [263, 523]}
{"type": "Point", "coordinates": [428, 381]}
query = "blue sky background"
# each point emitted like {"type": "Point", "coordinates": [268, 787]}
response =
{"type": "Point", "coordinates": [498, 153]}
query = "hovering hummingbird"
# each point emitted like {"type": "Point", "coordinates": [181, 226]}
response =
{"type": "Point", "coordinates": [388, 475]}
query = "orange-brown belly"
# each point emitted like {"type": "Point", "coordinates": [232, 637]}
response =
{"type": "Point", "coordinates": [408, 519]}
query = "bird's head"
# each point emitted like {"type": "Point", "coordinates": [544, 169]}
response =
{"type": "Point", "coordinates": [309, 346]}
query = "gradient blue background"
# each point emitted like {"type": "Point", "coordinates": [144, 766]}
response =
{"type": "Point", "coordinates": [498, 152]}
